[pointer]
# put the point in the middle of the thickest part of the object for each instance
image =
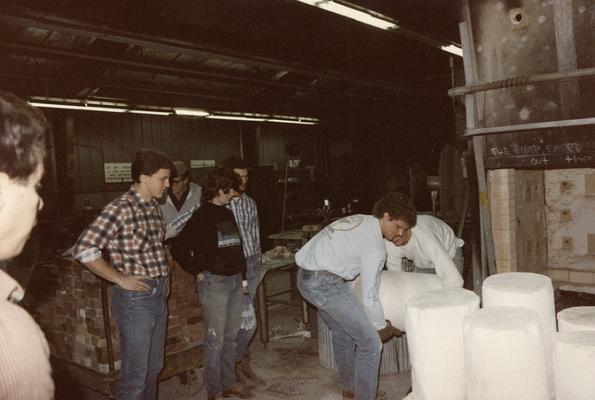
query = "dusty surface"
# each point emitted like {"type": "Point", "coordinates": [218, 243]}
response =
{"type": "Point", "coordinates": [290, 366]}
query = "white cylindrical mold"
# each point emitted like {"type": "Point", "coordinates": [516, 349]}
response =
{"type": "Point", "coordinates": [577, 319]}
{"type": "Point", "coordinates": [526, 289]}
{"type": "Point", "coordinates": [397, 288]}
{"type": "Point", "coordinates": [434, 324]}
{"type": "Point", "coordinates": [574, 365]}
{"type": "Point", "coordinates": [504, 355]}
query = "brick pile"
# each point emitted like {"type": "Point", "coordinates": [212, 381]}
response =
{"type": "Point", "coordinates": [65, 299]}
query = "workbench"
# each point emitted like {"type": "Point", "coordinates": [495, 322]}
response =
{"type": "Point", "coordinates": [264, 300]}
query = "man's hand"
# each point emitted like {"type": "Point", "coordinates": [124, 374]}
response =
{"type": "Point", "coordinates": [387, 332]}
{"type": "Point", "coordinates": [200, 277]}
{"type": "Point", "coordinates": [134, 283]}
{"type": "Point", "coordinates": [396, 331]}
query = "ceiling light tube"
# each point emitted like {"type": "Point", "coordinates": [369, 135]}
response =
{"type": "Point", "coordinates": [378, 20]}
{"type": "Point", "coordinates": [94, 105]}
{"type": "Point", "coordinates": [290, 121]}
{"type": "Point", "coordinates": [117, 107]}
{"type": "Point", "coordinates": [453, 49]}
{"type": "Point", "coordinates": [195, 112]}
{"type": "Point", "coordinates": [354, 12]}
{"type": "Point", "coordinates": [236, 118]}
{"type": "Point", "coordinates": [264, 118]}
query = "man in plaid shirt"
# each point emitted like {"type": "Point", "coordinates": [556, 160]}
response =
{"type": "Point", "coordinates": [131, 230]}
{"type": "Point", "coordinates": [246, 215]}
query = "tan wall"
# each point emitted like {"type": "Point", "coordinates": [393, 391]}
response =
{"type": "Point", "coordinates": [518, 220]}
{"type": "Point", "coordinates": [570, 199]}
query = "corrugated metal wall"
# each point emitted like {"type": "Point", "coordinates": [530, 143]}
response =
{"type": "Point", "coordinates": [107, 138]}
{"type": "Point", "coordinates": [100, 138]}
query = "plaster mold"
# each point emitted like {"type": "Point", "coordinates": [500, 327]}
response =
{"type": "Point", "coordinates": [574, 365]}
{"type": "Point", "coordinates": [504, 357]}
{"type": "Point", "coordinates": [577, 319]}
{"type": "Point", "coordinates": [524, 289]}
{"type": "Point", "coordinates": [434, 324]}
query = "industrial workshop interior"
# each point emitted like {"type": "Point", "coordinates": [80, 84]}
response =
{"type": "Point", "coordinates": [431, 160]}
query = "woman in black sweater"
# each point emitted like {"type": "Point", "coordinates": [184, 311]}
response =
{"type": "Point", "coordinates": [210, 248]}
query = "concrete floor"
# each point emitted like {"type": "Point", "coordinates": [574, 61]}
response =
{"type": "Point", "coordinates": [289, 363]}
{"type": "Point", "coordinates": [290, 366]}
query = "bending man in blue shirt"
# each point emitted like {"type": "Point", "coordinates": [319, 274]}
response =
{"type": "Point", "coordinates": [343, 250]}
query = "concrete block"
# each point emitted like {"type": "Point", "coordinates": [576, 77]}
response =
{"type": "Point", "coordinates": [590, 185]}
{"type": "Point", "coordinates": [591, 244]}
{"type": "Point", "coordinates": [581, 277]}
{"type": "Point", "coordinates": [559, 275]}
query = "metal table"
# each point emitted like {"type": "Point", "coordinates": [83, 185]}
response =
{"type": "Point", "coordinates": [286, 264]}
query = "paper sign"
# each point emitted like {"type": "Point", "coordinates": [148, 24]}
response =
{"type": "Point", "coordinates": [117, 172]}
{"type": "Point", "coordinates": [202, 163]}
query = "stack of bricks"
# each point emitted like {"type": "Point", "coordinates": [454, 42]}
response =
{"type": "Point", "coordinates": [65, 300]}
{"type": "Point", "coordinates": [184, 329]}
{"type": "Point", "coordinates": [502, 210]}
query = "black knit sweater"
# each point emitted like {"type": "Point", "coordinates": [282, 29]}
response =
{"type": "Point", "coordinates": [210, 241]}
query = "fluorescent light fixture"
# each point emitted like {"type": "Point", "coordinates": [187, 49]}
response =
{"type": "Point", "coordinates": [96, 105]}
{"type": "Point", "coordinates": [381, 21]}
{"type": "Point", "coordinates": [354, 12]}
{"type": "Point", "coordinates": [453, 49]}
{"type": "Point", "coordinates": [236, 118]}
{"type": "Point", "coordinates": [283, 119]}
{"type": "Point", "coordinates": [116, 107]}
{"type": "Point", "coordinates": [195, 112]}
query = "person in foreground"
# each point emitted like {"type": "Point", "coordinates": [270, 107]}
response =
{"type": "Point", "coordinates": [343, 250]}
{"type": "Point", "coordinates": [427, 241]}
{"type": "Point", "coordinates": [132, 230]}
{"type": "Point", "coordinates": [209, 247]}
{"type": "Point", "coordinates": [25, 372]}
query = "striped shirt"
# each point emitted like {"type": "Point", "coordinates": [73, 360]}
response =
{"type": "Point", "coordinates": [132, 231]}
{"type": "Point", "coordinates": [176, 219]}
{"type": "Point", "coordinates": [246, 215]}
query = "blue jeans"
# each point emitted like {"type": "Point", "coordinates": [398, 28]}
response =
{"type": "Point", "coordinates": [254, 277]}
{"type": "Point", "coordinates": [356, 344]}
{"type": "Point", "coordinates": [221, 300]}
{"type": "Point", "coordinates": [142, 322]}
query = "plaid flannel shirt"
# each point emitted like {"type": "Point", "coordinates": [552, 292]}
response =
{"type": "Point", "coordinates": [132, 231]}
{"type": "Point", "coordinates": [246, 215]}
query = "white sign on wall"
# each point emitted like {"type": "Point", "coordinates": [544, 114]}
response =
{"type": "Point", "coordinates": [202, 163]}
{"type": "Point", "coordinates": [117, 172]}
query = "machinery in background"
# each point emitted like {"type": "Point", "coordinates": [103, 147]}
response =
{"type": "Point", "coordinates": [450, 190]}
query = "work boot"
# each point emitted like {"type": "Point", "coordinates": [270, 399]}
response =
{"type": "Point", "coordinates": [348, 395]}
{"type": "Point", "coordinates": [249, 373]}
{"type": "Point", "coordinates": [237, 390]}
{"type": "Point", "coordinates": [240, 377]}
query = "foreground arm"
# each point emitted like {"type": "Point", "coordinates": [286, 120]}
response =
{"type": "Point", "coordinates": [101, 268]}
{"type": "Point", "coordinates": [444, 265]}
{"type": "Point", "coordinates": [372, 264]}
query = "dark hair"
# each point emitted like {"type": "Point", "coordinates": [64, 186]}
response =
{"type": "Point", "coordinates": [149, 161]}
{"type": "Point", "coordinates": [398, 206]}
{"type": "Point", "coordinates": [22, 137]}
{"type": "Point", "coordinates": [234, 162]}
{"type": "Point", "coordinates": [217, 178]}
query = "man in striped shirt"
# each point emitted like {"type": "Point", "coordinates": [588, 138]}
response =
{"type": "Point", "coordinates": [246, 215]}
{"type": "Point", "coordinates": [131, 230]}
{"type": "Point", "coordinates": [182, 201]}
